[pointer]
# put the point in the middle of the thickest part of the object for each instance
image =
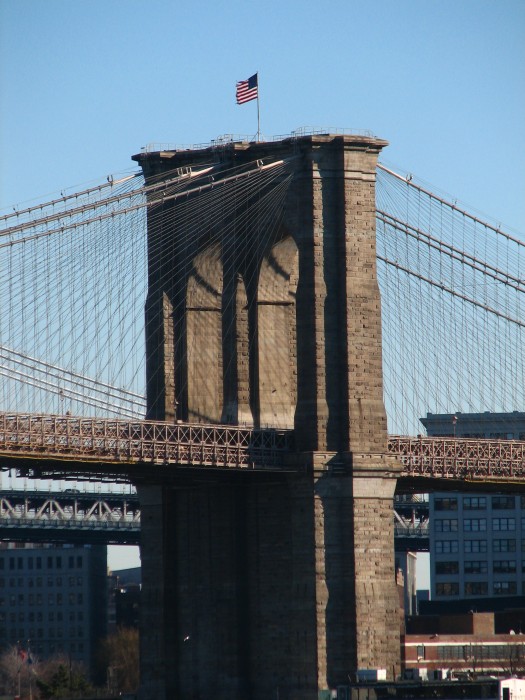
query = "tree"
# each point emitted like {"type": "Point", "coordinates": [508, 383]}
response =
{"type": "Point", "coordinates": [120, 654]}
{"type": "Point", "coordinates": [64, 682]}
{"type": "Point", "coordinates": [17, 670]}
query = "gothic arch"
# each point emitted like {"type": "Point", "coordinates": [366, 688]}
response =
{"type": "Point", "coordinates": [204, 337]}
{"type": "Point", "coordinates": [276, 334]}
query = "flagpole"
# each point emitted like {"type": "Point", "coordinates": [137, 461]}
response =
{"type": "Point", "coordinates": [258, 116]}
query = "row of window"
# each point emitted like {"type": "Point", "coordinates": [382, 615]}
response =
{"type": "Point", "coordinates": [473, 588]}
{"type": "Point", "coordinates": [476, 546]}
{"type": "Point", "coordinates": [468, 652]}
{"type": "Point", "coordinates": [38, 598]}
{"type": "Point", "coordinates": [38, 633]}
{"type": "Point", "coordinates": [505, 566]}
{"type": "Point", "coordinates": [38, 616]}
{"type": "Point", "coordinates": [39, 562]}
{"type": "Point", "coordinates": [479, 503]}
{"type": "Point", "coordinates": [38, 581]}
{"type": "Point", "coordinates": [477, 524]}
{"type": "Point", "coordinates": [42, 648]}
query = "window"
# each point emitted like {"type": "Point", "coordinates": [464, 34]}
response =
{"type": "Point", "coordinates": [447, 546]}
{"type": "Point", "coordinates": [475, 524]}
{"type": "Point", "coordinates": [474, 503]}
{"type": "Point", "coordinates": [450, 652]}
{"type": "Point", "coordinates": [446, 525]}
{"type": "Point", "coordinates": [476, 588]}
{"type": "Point", "coordinates": [507, 566]}
{"type": "Point", "coordinates": [475, 546]}
{"type": "Point", "coordinates": [445, 504]}
{"type": "Point", "coordinates": [475, 567]}
{"type": "Point", "coordinates": [503, 524]}
{"type": "Point", "coordinates": [451, 588]}
{"type": "Point", "coordinates": [502, 502]}
{"type": "Point", "coordinates": [447, 567]}
{"type": "Point", "coordinates": [504, 587]}
{"type": "Point", "coordinates": [504, 545]}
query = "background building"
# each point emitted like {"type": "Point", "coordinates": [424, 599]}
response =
{"type": "Point", "coordinates": [484, 642]}
{"type": "Point", "coordinates": [53, 599]}
{"type": "Point", "coordinates": [124, 598]}
{"type": "Point", "coordinates": [476, 540]}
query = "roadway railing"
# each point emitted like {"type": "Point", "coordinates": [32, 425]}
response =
{"type": "Point", "coordinates": [154, 442]}
{"type": "Point", "coordinates": [459, 459]}
{"type": "Point", "coordinates": [121, 442]}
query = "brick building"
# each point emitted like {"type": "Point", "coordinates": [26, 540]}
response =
{"type": "Point", "coordinates": [473, 643]}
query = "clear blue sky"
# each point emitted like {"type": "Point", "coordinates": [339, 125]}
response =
{"type": "Point", "coordinates": [86, 83]}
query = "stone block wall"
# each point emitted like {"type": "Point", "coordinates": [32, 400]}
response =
{"type": "Point", "coordinates": [282, 587]}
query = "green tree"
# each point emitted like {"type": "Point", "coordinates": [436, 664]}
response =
{"type": "Point", "coordinates": [64, 681]}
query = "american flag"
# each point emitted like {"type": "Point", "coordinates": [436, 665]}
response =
{"type": "Point", "coordinates": [247, 90]}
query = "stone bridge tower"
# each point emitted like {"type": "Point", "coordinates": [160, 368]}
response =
{"type": "Point", "coordinates": [260, 586]}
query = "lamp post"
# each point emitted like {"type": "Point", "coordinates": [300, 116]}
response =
{"type": "Point", "coordinates": [454, 421]}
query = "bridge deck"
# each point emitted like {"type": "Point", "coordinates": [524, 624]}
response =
{"type": "Point", "coordinates": [131, 442]}
{"type": "Point", "coordinates": [460, 459]}
{"type": "Point", "coordinates": [91, 441]}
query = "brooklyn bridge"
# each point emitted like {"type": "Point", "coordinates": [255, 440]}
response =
{"type": "Point", "coordinates": [249, 332]}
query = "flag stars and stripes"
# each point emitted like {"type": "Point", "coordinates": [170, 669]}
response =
{"type": "Point", "coordinates": [247, 90]}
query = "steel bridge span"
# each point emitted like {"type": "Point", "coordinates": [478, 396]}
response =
{"type": "Point", "coordinates": [65, 447]}
{"type": "Point", "coordinates": [71, 516]}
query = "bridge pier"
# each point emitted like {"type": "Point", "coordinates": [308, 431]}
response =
{"type": "Point", "coordinates": [253, 587]}
{"type": "Point", "coordinates": [282, 586]}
